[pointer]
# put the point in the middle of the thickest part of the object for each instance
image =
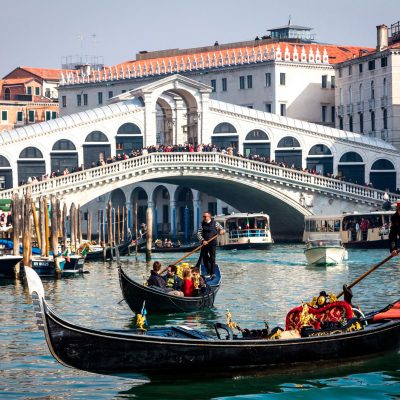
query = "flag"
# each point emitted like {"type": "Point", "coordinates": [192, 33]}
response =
{"type": "Point", "coordinates": [141, 320]}
{"type": "Point", "coordinates": [84, 251]}
{"type": "Point", "coordinates": [144, 313]}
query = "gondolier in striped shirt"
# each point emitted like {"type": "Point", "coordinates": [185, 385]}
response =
{"type": "Point", "coordinates": [208, 229]}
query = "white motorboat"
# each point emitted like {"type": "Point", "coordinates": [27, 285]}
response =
{"type": "Point", "coordinates": [324, 251]}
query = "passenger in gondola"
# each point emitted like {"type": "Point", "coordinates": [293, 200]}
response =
{"type": "Point", "coordinates": [394, 233]}
{"type": "Point", "coordinates": [187, 285]}
{"type": "Point", "coordinates": [172, 280]}
{"type": "Point", "coordinates": [199, 282]}
{"type": "Point", "coordinates": [155, 278]}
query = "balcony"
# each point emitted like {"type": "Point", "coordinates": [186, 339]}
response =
{"type": "Point", "coordinates": [360, 107]}
{"type": "Point", "coordinates": [23, 97]}
{"type": "Point", "coordinates": [340, 110]}
{"type": "Point", "coordinates": [371, 104]}
{"type": "Point", "coordinates": [349, 109]}
{"type": "Point", "coordinates": [384, 102]}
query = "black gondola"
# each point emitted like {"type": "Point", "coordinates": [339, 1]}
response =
{"type": "Point", "coordinates": [177, 348]}
{"type": "Point", "coordinates": [98, 254]}
{"type": "Point", "coordinates": [7, 265]}
{"type": "Point", "coordinates": [173, 249]}
{"type": "Point", "coordinates": [158, 301]}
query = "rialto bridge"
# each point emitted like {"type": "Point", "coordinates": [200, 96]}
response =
{"type": "Point", "coordinates": [177, 110]}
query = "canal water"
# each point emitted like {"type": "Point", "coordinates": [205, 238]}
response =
{"type": "Point", "coordinates": [257, 286]}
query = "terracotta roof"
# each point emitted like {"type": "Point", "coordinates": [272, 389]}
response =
{"type": "Point", "coordinates": [17, 81]}
{"type": "Point", "coordinates": [45, 73]}
{"type": "Point", "coordinates": [335, 53]}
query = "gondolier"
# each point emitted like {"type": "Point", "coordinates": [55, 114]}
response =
{"type": "Point", "coordinates": [207, 230]}
{"type": "Point", "coordinates": [394, 230]}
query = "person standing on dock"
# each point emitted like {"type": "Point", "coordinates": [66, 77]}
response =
{"type": "Point", "coordinates": [394, 233]}
{"type": "Point", "coordinates": [208, 229]}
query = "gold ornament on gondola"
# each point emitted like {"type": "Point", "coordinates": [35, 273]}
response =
{"type": "Point", "coordinates": [140, 322]}
{"type": "Point", "coordinates": [229, 321]}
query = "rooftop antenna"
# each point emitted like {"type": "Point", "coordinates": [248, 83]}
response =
{"type": "Point", "coordinates": [289, 20]}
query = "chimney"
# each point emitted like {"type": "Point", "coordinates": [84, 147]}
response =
{"type": "Point", "coordinates": [382, 37]}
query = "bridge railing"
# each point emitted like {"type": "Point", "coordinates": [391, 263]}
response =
{"type": "Point", "coordinates": [209, 160]}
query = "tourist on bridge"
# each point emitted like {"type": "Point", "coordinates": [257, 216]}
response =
{"type": "Point", "coordinates": [394, 233]}
{"type": "Point", "coordinates": [207, 230]}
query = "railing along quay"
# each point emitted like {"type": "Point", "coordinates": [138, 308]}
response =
{"type": "Point", "coordinates": [192, 162]}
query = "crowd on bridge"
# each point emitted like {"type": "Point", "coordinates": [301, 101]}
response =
{"type": "Point", "coordinates": [189, 148]}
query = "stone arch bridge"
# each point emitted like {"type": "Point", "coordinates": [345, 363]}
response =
{"type": "Point", "coordinates": [287, 195]}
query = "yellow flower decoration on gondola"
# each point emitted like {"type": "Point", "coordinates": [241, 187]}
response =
{"type": "Point", "coordinates": [229, 321]}
{"type": "Point", "coordinates": [140, 322]}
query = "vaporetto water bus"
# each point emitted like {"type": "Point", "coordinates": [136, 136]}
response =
{"type": "Point", "coordinates": [245, 231]}
{"type": "Point", "coordinates": [360, 230]}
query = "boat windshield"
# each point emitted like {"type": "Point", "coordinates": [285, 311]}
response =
{"type": "Point", "coordinates": [324, 243]}
{"type": "Point", "coordinates": [246, 226]}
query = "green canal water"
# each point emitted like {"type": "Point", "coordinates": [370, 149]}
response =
{"type": "Point", "coordinates": [257, 286]}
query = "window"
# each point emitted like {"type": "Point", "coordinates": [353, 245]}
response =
{"type": "Point", "coordinates": [249, 81]}
{"type": "Point", "coordinates": [333, 115]}
{"type": "Point", "coordinates": [268, 79]}
{"type": "Point", "coordinates": [7, 94]}
{"type": "Point", "coordinates": [360, 68]}
{"type": "Point", "coordinates": [268, 107]}
{"type": "Point", "coordinates": [29, 90]}
{"type": "Point", "coordinates": [224, 85]}
{"type": "Point", "coordinates": [361, 123]}
{"type": "Point", "coordinates": [20, 116]}
{"type": "Point", "coordinates": [333, 82]}
{"type": "Point", "coordinates": [214, 85]}
{"type": "Point", "coordinates": [37, 91]}
{"type": "Point", "coordinates": [241, 82]}
{"type": "Point", "coordinates": [340, 122]}
{"type": "Point", "coordinates": [324, 113]}
{"type": "Point", "coordinates": [78, 100]}
{"type": "Point", "coordinates": [385, 119]}
{"type": "Point", "coordinates": [48, 115]}
{"type": "Point", "coordinates": [372, 90]}
{"type": "Point", "coordinates": [351, 123]}
{"type": "Point", "coordinates": [282, 78]}
{"type": "Point", "coordinates": [4, 115]}
{"type": "Point", "coordinates": [372, 120]}
{"type": "Point", "coordinates": [64, 101]}
{"type": "Point", "coordinates": [350, 70]}
{"type": "Point", "coordinates": [100, 98]}
{"type": "Point", "coordinates": [371, 65]}
{"type": "Point", "coordinates": [340, 72]}
{"type": "Point", "coordinates": [85, 99]}
{"type": "Point", "coordinates": [123, 91]}
{"type": "Point", "coordinates": [54, 114]}
{"type": "Point", "coordinates": [324, 82]}
{"type": "Point", "coordinates": [384, 87]}
{"type": "Point", "coordinates": [384, 62]}
{"type": "Point", "coordinates": [31, 116]}
{"type": "Point", "coordinates": [283, 109]}
{"type": "Point", "coordinates": [110, 94]}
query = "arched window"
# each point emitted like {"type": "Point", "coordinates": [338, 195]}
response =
{"type": "Point", "coordinates": [4, 162]}
{"type": "Point", "coordinates": [96, 136]}
{"type": "Point", "coordinates": [31, 152]}
{"type": "Point", "coordinates": [319, 150]}
{"type": "Point", "coordinates": [288, 141]}
{"type": "Point", "coordinates": [382, 164]}
{"type": "Point", "coordinates": [129, 129]}
{"type": "Point", "coordinates": [351, 156]}
{"type": "Point", "coordinates": [7, 94]}
{"type": "Point", "coordinates": [350, 95]}
{"type": "Point", "coordinates": [384, 87]}
{"type": "Point", "coordinates": [257, 134]}
{"type": "Point", "coordinates": [361, 92]}
{"type": "Point", "coordinates": [63, 144]}
{"type": "Point", "coordinates": [225, 127]}
{"type": "Point", "coordinates": [385, 119]}
{"type": "Point", "coordinates": [372, 90]}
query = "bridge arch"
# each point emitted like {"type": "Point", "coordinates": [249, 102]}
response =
{"type": "Point", "coordinates": [320, 159]}
{"type": "Point", "coordinates": [161, 201]}
{"type": "Point", "coordinates": [129, 137]}
{"type": "Point", "coordinates": [257, 142]}
{"type": "Point", "coordinates": [289, 151]}
{"type": "Point", "coordinates": [30, 164]}
{"type": "Point", "coordinates": [225, 135]}
{"type": "Point", "coordinates": [139, 197]}
{"type": "Point", "coordinates": [96, 148]}
{"type": "Point", "coordinates": [63, 155]}
{"type": "Point", "coordinates": [383, 175]}
{"type": "Point", "coordinates": [185, 211]}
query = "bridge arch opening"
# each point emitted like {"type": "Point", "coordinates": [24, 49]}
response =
{"type": "Point", "coordinates": [129, 138]}
{"type": "Point", "coordinates": [289, 152]}
{"type": "Point", "coordinates": [257, 142]}
{"type": "Point", "coordinates": [320, 159]}
{"type": "Point", "coordinates": [351, 168]}
{"type": "Point", "coordinates": [225, 135]}
{"type": "Point", "coordinates": [6, 181]}
{"type": "Point", "coordinates": [185, 211]}
{"type": "Point", "coordinates": [63, 156]}
{"type": "Point", "coordinates": [96, 149]}
{"type": "Point", "coordinates": [383, 175]}
{"type": "Point", "coordinates": [139, 199]}
{"type": "Point", "coordinates": [161, 201]}
{"type": "Point", "coordinates": [118, 201]}
{"type": "Point", "coordinates": [30, 164]}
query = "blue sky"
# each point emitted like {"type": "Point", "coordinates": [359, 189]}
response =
{"type": "Point", "coordinates": [38, 33]}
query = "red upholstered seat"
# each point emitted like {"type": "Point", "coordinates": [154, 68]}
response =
{"type": "Point", "coordinates": [392, 313]}
{"type": "Point", "coordinates": [333, 312]}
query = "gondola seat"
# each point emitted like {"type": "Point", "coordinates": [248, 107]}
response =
{"type": "Point", "coordinates": [319, 317]}
{"type": "Point", "coordinates": [392, 312]}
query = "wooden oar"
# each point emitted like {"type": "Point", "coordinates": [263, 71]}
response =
{"type": "Point", "coordinates": [193, 251]}
{"type": "Point", "coordinates": [366, 273]}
